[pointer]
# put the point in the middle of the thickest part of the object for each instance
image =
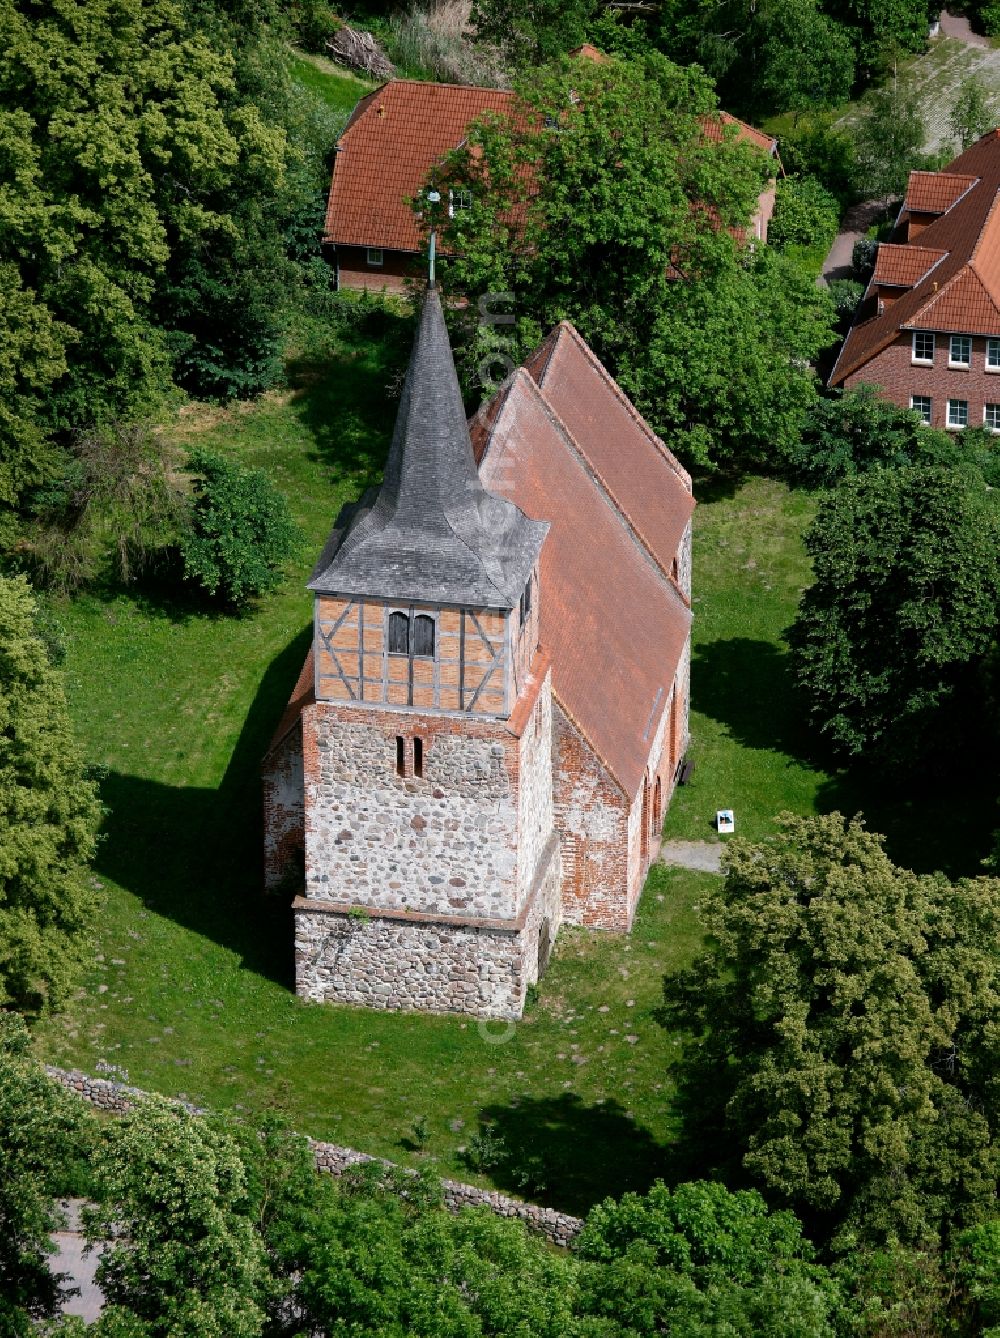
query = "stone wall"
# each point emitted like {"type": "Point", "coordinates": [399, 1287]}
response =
{"type": "Point", "coordinates": [444, 843]}
{"type": "Point", "coordinates": [404, 962]}
{"type": "Point", "coordinates": [560, 1228]}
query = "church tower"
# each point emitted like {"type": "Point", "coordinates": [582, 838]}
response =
{"type": "Point", "coordinates": [432, 869]}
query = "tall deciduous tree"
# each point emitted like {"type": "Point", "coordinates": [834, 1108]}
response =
{"type": "Point", "coordinates": [973, 112]}
{"type": "Point", "coordinates": [888, 640]}
{"type": "Point", "coordinates": [889, 142]}
{"type": "Point", "coordinates": [841, 1029]}
{"type": "Point", "coordinates": [48, 818]}
{"type": "Point", "coordinates": [602, 200]}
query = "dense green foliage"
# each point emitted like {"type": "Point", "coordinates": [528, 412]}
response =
{"type": "Point", "coordinates": [805, 212]}
{"type": "Point", "coordinates": [240, 531]}
{"type": "Point", "coordinates": [42, 1131]}
{"type": "Point", "coordinates": [889, 642]}
{"type": "Point", "coordinates": [974, 113]}
{"type": "Point", "coordinates": [48, 818]}
{"type": "Point", "coordinates": [889, 142]}
{"type": "Point", "coordinates": [607, 204]}
{"type": "Point", "coordinates": [159, 167]}
{"type": "Point", "coordinates": [841, 1024]}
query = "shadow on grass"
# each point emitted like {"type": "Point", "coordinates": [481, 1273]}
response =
{"type": "Point", "coordinates": [194, 855]}
{"type": "Point", "coordinates": [348, 399]}
{"type": "Point", "coordinates": [562, 1153]}
{"type": "Point", "coordinates": [943, 817]}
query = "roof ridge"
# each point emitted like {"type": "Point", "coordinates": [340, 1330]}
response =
{"type": "Point", "coordinates": [442, 83]}
{"type": "Point", "coordinates": [599, 478]}
{"type": "Point", "coordinates": [629, 407]}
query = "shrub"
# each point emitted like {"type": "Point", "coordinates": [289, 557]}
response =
{"type": "Point", "coordinates": [863, 257]}
{"type": "Point", "coordinates": [240, 530]}
{"type": "Point", "coordinates": [846, 294]}
{"type": "Point", "coordinates": [805, 212]}
{"type": "Point", "coordinates": [827, 155]}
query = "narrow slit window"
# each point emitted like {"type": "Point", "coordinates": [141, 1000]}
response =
{"type": "Point", "coordinates": [418, 757]}
{"type": "Point", "coordinates": [400, 755]}
{"type": "Point", "coordinates": [399, 634]}
{"type": "Point", "coordinates": [526, 602]}
{"type": "Point", "coordinates": [423, 636]}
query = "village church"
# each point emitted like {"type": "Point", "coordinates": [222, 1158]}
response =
{"type": "Point", "coordinates": [492, 714]}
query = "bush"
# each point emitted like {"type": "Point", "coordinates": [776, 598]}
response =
{"type": "Point", "coordinates": [240, 531]}
{"type": "Point", "coordinates": [846, 294]}
{"type": "Point", "coordinates": [825, 154]}
{"type": "Point", "coordinates": [863, 257]}
{"type": "Point", "coordinates": [805, 212]}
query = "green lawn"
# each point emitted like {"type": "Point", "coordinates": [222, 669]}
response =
{"type": "Point", "coordinates": [337, 87]}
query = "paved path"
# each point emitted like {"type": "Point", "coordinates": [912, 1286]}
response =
{"type": "Point", "coordinates": [705, 856]}
{"type": "Point", "coordinates": [957, 26]}
{"type": "Point", "coordinates": [69, 1258]}
{"type": "Point", "coordinates": [857, 221]}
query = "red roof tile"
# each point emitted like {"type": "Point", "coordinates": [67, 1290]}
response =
{"type": "Point", "coordinates": [714, 125]}
{"type": "Point", "coordinates": [303, 694]}
{"type": "Point", "coordinates": [648, 485]}
{"type": "Point", "coordinates": [934, 192]}
{"type": "Point", "coordinates": [903, 266]}
{"type": "Point", "coordinates": [393, 139]}
{"type": "Point", "coordinates": [961, 293]}
{"type": "Point", "coordinates": [615, 625]}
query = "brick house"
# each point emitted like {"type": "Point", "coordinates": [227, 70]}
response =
{"type": "Point", "coordinates": [394, 137]}
{"type": "Point", "coordinates": [927, 332]}
{"type": "Point", "coordinates": [486, 731]}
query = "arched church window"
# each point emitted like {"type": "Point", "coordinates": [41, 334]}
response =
{"type": "Point", "coordinates": [423, 636]}
{"type": "Point", "coordinates": [399, 634]}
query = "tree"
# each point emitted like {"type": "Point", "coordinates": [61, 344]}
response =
{"type": "Point", "coordinates": [672, 1261]}
{"type": "Point", "coordinates": [904, 557]}
{"type": "Point", "coordinates": [889, 142]}
{"type": "Point", "coordinates": [804, 60]}
{"type": "Point", "coordinates": [605, 202]}
{"type": "Point", "coordinates": [42, 1128]}
{"type": "Point", "coordinates": [533, 32]}
{"type": "Point", "coordinates": [183, 1259]}
{"type": "Point", "coordinates": [805, 213]}
{"type": "Point", "coordinates": [840, 1026]}
{"type": "Point", "coordinates": [973, 112]}
{"type": "Point", "coordinates": [49, 816]}
{"type": "Point", "coordinates": [241, 529]}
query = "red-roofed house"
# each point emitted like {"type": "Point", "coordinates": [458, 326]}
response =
{"type": "Point", "coordinates": [487, 730]}
{"type": "Point", "coordinates": [927, 332]}
{"type": "Point", "coordinates": [393, 139]}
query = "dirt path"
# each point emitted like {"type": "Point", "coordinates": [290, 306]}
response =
{"type": "Point", "coordinates": [704, 856]}
{"type": "Point", "coordinates": [857, 221]}
{"type": "Point", "coordinates": [957, 26]}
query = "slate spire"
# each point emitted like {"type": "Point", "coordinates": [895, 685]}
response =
{"type": "Point", "coordinates": [433, 533]}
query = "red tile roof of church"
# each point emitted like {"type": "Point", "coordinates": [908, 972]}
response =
{"type": "Point", "coordinates": [612, 618]}
{"type": "Point", "coordinates": [960, 292]}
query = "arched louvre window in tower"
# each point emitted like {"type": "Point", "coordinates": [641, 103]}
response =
{"type": "Point", "coordinates": [399, 634]}
{"type": "Point", "coordinates": [423, 636]}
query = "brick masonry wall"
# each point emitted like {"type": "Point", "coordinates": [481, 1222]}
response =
{"type": "Point", "coordinates": [559, 1228]}
{"type": "Point", "coordinates": [353, 270]}
{"type": "Point", "coordinates": [894, 372]}
{"type": "Point", "coordinates": [284, 815]}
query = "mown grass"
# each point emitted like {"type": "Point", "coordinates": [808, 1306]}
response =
{"type": "Point", "coordinates": [337, 87]}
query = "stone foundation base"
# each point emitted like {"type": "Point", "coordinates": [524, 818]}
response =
{"type": "Point", "coordinates": [401, 960]}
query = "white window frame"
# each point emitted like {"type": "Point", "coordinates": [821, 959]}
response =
{"type": "Point", "coordinates": [992, 346]}
{"type": "Point", "coordinates": [991, 427]}
{"type": "Point", "coordinates": [950, 422]}
{"type": "Point", "coordinates": [371, 252]}
{"type": "Point", "coordinates": [926, 399]}
{"type": "Point", "coordinates": [456, 208]}
{"type": "Point", "coordinates": [964, 341]}
{"type": "Point", "coordinates": [923, 334]}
